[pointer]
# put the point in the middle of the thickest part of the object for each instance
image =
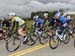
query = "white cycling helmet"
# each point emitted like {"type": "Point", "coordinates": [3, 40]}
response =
{"type": "Point", "coordinates": [35, 17]}
{"type": "Point", "coordinates": [69, 17]}
{"type": "Point", "coordinates": [12, 14]}
{"type": "Point", "coordinates": [45, 14]}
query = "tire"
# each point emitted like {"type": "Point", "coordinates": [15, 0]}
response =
{"type": "Point", "coordinates": [53, 43]}
{"type": "Point", "coordinates": [13, 44]}
{"type": "Point", "coordinates": [67, 39]}
{"type": "Point", "coordinates": [43, 39]}
{"type": "Point", "coordinates": [74, 42]}
{"type": "Point", "coordinates": [34, 36]}
{"type": "Point", "coordinates": [30, 41]}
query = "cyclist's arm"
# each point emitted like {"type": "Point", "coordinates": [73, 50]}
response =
{"type": "Point", "coordinates": [41, 26]}
{"type": "Point", "coordinates": [13, 25]}
{"type": "Point", "coordinates": [16, 25]}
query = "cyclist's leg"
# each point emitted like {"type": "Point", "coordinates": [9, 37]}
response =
{"type": "Point", "coordinates": [41, 30]}
{"type": "Point", "coordinates": [22, 32]}
{"type": "Point", "coordinates": [50, 31]}
{"type": "Point", "coordinates": [63, 28]}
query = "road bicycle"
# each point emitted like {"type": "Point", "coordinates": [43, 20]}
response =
{"type": "Point", "coordinates": [40, 35]}
{"type": "Point", "coordinates": [58, 37]}
{"type": "Point", "coordinates": [14, 40]}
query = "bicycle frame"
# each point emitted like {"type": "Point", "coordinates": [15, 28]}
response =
{"type": "Point", "coordinates": [60, 35]}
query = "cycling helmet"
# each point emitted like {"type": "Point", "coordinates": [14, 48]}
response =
{"type": "Point", "coordinates": [45, 14]}
{"type": "Point", "coordinates": [35, 17]}
{"type": "Point", "coordinates": [12, 14]}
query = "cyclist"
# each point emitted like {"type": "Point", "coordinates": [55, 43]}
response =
{"type": "Point", "coordinates": [20, 23]}
{"type": "Point", "coordinates": [51, 22]}
{"type": "Point", "coordinates": [39, 23]}
{"type": "Point", "coordinates": [34, 24]}
{"type": "Point", "coordinates": [61, 22]}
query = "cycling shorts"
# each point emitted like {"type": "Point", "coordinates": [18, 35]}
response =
{"type": "Point", "coordinates": [23, 27]}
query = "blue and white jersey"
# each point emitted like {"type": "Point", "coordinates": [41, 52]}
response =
{"type": "Point", "coordinates": [39, 21]}
{"type": "Point", "coordinates": [62, 20]}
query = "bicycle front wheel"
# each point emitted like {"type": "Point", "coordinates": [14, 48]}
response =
{"type": "Point", "coordinates": [53, 42]}
{"type": "Point", "coordinates": [13, 44]}
{"type": "Point", "coordinates": [30, 41]}
{"type": "Point", "coordinates": [43, 39]}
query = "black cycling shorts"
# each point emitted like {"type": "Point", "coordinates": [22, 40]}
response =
{"type": "Point", "coordinates": [23, 27]}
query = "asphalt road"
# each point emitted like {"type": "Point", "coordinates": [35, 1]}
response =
{"type": "Point", "coordinates": [40, 50]}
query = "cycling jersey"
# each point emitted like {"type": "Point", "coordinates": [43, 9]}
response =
{"type": "Point", "coordinates": [40, 22]}
{"type": "Point", "coordinates": [19, 20]}
{"type": "Point", "coordinates": [51, 22]}
{"type": "Point", "coordinates": [62, 20]}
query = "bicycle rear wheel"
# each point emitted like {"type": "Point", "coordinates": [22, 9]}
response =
{"type": "Point", "coordinates": [67, 38]}
{"type": "Point", "coordinates": [43, 39]}
{"type": "Point", "coordinates": [13, 44]}
{"type": "Point", "coordinates": [34, 36]}
{"type": "Point", "coordinates": [74, 42]}
{"type": "Point", "coordinates": [30, 41]}
{"type": "Point", "coordinates": [54, 42]}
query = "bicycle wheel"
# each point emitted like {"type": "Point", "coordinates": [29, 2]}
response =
{"type": "Point", "coordinates": [43, 38]}
{"type": "Point", "coordinates": [54, 42]}
{"type": "Point", "coordinates": [67, 38]}
{"type": "Point", "coordinates": [34, 36]}
{"type": "Point", "coordinates": [13, 43]}
{"type": "Point", "coordinates": [74, 42]}
{"type": "Point", "coordinates": [30, 41]}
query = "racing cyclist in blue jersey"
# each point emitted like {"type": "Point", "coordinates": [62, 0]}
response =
{"type": "Point", "coordinates": [61, 19]}
{"type": "Point", "coordinates": [61, 22]}
{"type": "Point", "coordinates": [38, 23]}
